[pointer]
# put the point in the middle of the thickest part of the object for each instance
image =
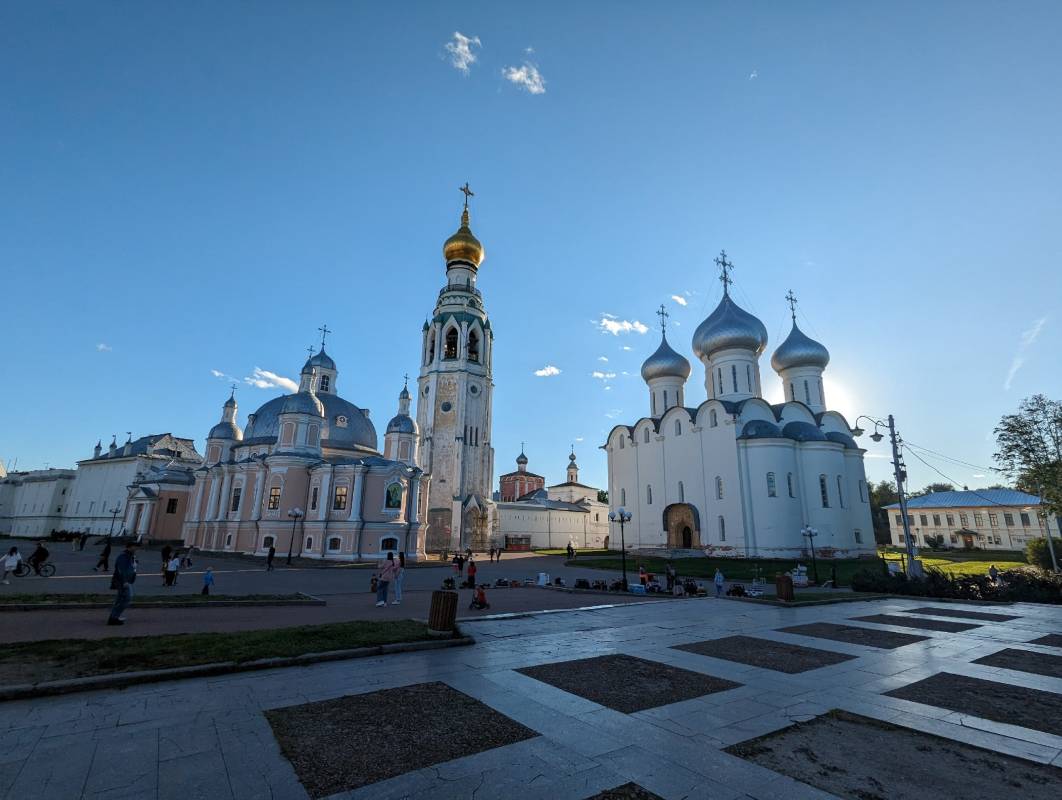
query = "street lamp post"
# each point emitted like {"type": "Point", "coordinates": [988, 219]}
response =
{"type": "Point", "coordinates": [899, 470]}
{"type": "Point", "coordinates": [622, 516]}
{"type": "Point", "coordinates": [296, 515]}
{"type": "Point", "coordinates": [114, 516]}
{"type": "Point", "coordinates": [811, 533]}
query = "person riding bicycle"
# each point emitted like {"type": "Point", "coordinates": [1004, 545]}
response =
{"type": "Point", "coordinates": [38, 557]}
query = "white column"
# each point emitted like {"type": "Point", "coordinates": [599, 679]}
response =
{"type": "Point", "coordinates": [322, 496]}
{"type": "Point", "coordinates": [193, 510]}
{"type": "Point", "coordinates": [145, 518]}
{"type": "Point", "coordinates": [212, 505]}
{"type": "Point", "coordinates": [413, 503]}
{"type": "Point", "coordinates": [358, 491]}
{"type": "Point", "coordinates": [223, 506]}
{"type": "Point", "coordinates": [258, 482]}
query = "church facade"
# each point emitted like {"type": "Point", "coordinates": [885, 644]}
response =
{"type": "Point", "coordinates": [736, 475]}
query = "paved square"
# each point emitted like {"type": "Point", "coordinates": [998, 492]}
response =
{"type": "Point", "coordinates": [960, 613]}
{"type": "Point", "coordinates": [628, 791]}
{"type": "Point", "coordinates": [627, 684]}
{"type": "Point", "coordinates": [855, 757]}
{"type": "Point", "coordinates": [341, 744]}
{"type": "Point", "coordinates": [870, 637]}
{"type": "Point", "coordinates": [1051, 640]}
{"type": "Point", "coordinates": [1025, 661]}
{"type": "Point", "coordinates": [914, 622]}
{"type": "Point", "coordinates": [779, 656]}
{"type": "Point", "coordinates": [1000, 702]}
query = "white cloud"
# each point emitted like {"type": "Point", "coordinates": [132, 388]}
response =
{"type": "Point", "coordinates": [625, 347]}
{"type": "Point", "coordinates": [613, 413]}
{"type": "Point", "coordinates": [604, 376]}
{"type": "Point", "coordinates": [679, 299]}
{"type": "Point", "coordinates": [978, 475]}
{"type": "Point", "coordinates": [874, 455]}
{"type": "Point", "coordinates": [1028, 338]}
{"type": "Point", "coordinates": [547, 371]}
{"type": "Point", "coordinates": [103, 348]}
{"type": "Point", "coordinates": [578, 438]}
{"type": "Point", "coordinates": [602, 358]}
{"type": "Point", "coordinates": [612, 324]}
{"type": "Point", "coordinates": [526, 76]}
{"type": "Point", "coordinates": [217, 373]}
{"type": "Point", "coordinates": [754, 75]}
{"type": "Point", "coordinates": [608, 388]}
{"type": "Point", "coordinates": [460, 50]}
{"type": "Point", "coordinates": [264, 379]}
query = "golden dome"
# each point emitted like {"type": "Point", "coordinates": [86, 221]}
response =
{"type": "Point", "coordinates": [463, 246]}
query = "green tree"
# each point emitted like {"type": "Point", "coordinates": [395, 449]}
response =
{"type": "Point", "coordinates": [882, 494]}
{"type": "Point", "coordinates": [1030, 450]}
{"type": "Point", "coordinates": [602, 496]}
{"type": "Point", "coordinates": [937, 487]}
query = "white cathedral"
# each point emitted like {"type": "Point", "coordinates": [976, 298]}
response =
{"type": "Point", "coordinates": [737, 475]}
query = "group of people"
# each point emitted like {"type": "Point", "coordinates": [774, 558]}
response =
{"type": "Point", "coordinates": [36, 560]}
{"type": "Point", "coordinates": [390, 572]}
{"type": "Point", "coordinates": [674, 586]}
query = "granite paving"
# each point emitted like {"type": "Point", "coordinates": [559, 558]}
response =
{"type": "Point", "coordinates": [1024, 661]}
{"type": "Point", "coordinates": [870, 637]}
{"type": "Point", "coordinates": [1051, 640]}
{"type": "Point", "coordinates": [779, 656]}
{"type": "Point", "coordinates": [914, 622]}
{"type": "Point", "coordinates": [960, 613]}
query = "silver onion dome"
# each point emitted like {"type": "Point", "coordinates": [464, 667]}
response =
{"type": "Point", "coordinates": [521, 459]}
{"type": "Point", "coordinates": [225, 430]}
{"type": "Point", "coordinates": [401, 423]}
{"type": "Point", "coordinates": [729, 326]}
{"type": "Point", "coordinates": [320, 359]}
{"type": "Point", "coordinates": [665, 363]}
{"type": "Point", "coordinates": [799, 350]}
{"type": "Point", "coordinates": [302, 403]}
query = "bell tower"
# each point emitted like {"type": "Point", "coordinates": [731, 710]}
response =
{"type": "Point", "coordinates": [454, 401]}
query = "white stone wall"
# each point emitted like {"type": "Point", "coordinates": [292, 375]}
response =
{"type": "Point", "coordinates": [100, 487]}
{"type": "Point", "coordinates": [552, 528]}
{"type": "Point", "coordinates": [33, 502]}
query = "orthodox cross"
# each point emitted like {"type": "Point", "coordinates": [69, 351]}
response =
{"type": "Point", "coordinates": [405, 379]}
{"type": "Point", "coordinates": [310, 350]}
{"type": "Point", "coordinates": [467, 192]}
{"type": "Point", "coordinates": [724, 270]}
{"type": "Point", "coordinates": [324, 332]}
{"type": "Point", "coordinates": [791, 299]}
{"type": "Point", "coordinates": [662, 313]}
{"type": "Point", "coordinates": [233, 395]}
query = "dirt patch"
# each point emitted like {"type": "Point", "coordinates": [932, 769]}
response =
{"type": "Point", "coordinates": [341, 744]}
{"type": "Point", "coordinates": [625, 683]}
{"type": "Point", "coordinates": [779, 656]}
{"type": "Point", "coordinates": [1025, 661]}
{"type": "Point", "coordinates": [1051, 640]}
{"type": "Point", "coordinates": [924, 624]}
{"type": "Point", "coordinates": [960, 614]}
{"type": "Point", "coordinates": [860, 758]}
{"type": "Point", "coordinates": [870, 637]}
{"type": "Point", "coordinates": [999, 702]}
{"type": "Point", "coordinates": [628, 791]}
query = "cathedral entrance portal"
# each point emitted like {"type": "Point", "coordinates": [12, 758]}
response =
{"type": "Point", "coordinates": [438, 536]}
{"type": "Point", "coordinates": [682, 524]}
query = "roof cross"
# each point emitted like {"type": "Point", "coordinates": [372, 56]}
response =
{"type": "Point", "coordinates": [662, 313]}
{"type": "Point", "coordinates": [467, 192]}
{"type": "Point", "coordinates": [724, 271]}
{"type": "Point", "coordinates": [324, 332]}
{"type": "Point", "coordinates": [233, 395]}
{"type": "Point", "coordinates": [791, 299]}
{"type": "Point", "coordinates": [405, 380]}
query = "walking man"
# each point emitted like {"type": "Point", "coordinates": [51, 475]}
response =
{"type": "Point", "coordinates": [122, 582]}
{"type": "Point", "coordinates": [105, 558]}
{"type": "Point", "coordinates": [270, 557]}
{"type": "Point", "coordinates": [718, 582]}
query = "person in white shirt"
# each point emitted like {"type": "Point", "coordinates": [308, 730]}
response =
{"type": "Point", "coordinates": [11, 562]}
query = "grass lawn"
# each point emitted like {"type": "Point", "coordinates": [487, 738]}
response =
{"type": "Point", "coordinates": [734, 569]}
{"type": "Point", "coordinates": [141, 600]}
{"type": "Point", "coordinates": [557, 551]}
{"type": "Point", "coordinates": [30, 662]}
{"type": "Point", "coordinates": [950, 565]}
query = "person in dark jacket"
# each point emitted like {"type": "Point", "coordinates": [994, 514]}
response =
{"type": "Point", "coordinates": [269, 558]}
{"type": "Point", "coordinates": [105, 558]}
{"type": "Point", "coordinates": [122, 582]}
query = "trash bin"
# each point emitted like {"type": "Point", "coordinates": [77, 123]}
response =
{"type": "Point", "coordinates": [442, 614]}
{"type": "Point", "coordinates": [783, 588]}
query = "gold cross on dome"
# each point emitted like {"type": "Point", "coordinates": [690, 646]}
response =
{"type": "Point", "coordinates": [791, 299]}
{"type": "Point", "coordinates": [467, 192]}
{"type": "Point", "coordinates": [724, 270]}
{"type": "Point", "coordinates": [662, 313]}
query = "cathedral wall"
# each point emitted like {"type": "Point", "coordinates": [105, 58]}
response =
{"type": "Point", "coordinates": [859, 518]}
{"type": "Point", "coordinates": [822, 458]}
{"type": "Point", "coordinates": [774, 522]}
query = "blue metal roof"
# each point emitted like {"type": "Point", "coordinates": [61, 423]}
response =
{"type": "Point", "coordinates": [972, 499]}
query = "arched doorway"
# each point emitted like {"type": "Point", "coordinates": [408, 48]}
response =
{"type": "Point", "coordinates": [683, 526]}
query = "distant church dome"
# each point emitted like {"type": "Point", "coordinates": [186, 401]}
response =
{"type": "Point", "coordinates": [320, 359]}
{"type": "Point", "coordinates": [302, 403]}
{"type": "Point", "coordinates": [729, 326]}
{"type": "Point", "coordinates": [463, 246]}
{"type": "Point", "coordinates": [665, 363]}
{"type": "Point", "coordinates": [799, 350]}
{"type": "Point", "coordinates": [401, 423]}
{"type": "Point", "coordinates": [224, 430]}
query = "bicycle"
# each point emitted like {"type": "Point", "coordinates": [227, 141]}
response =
{"type": "Point", "coordinates": [23, 569]}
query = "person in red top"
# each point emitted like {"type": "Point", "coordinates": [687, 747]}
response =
{"type": "Point", "coordinates": [472, 569]}
{"type": "Point", "coordinates": [388, 571]}
{"type": "Point", "coordinates": [642, 575]}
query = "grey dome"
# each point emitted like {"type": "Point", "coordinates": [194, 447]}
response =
{"type": "Point", "coordinates": [521, 459]}
{"type": "Point", "coordinates": [799, 350]}
{"type": "Point", "coordinates": [760, 429]}
{"type": "Point", "coordinates": [401, 423]}
{"type": "Point", "coordinates": [665, 363]}
{"type": "Point", "coordinates": [842, 438]}
{"type": "Point", "coordinates": [404, 394]}
{"type": "Point", "coordinates": [360, 434]}
{"type": "Point", "coordinates": [230, 403]}
{"type": "Point", "coordinates": [726, 327]}
{"type": "Point", "coordinates": [225, 430]}
{"type": "Point", "coordinates": [321, 359]}
{"type": "Point", "coordinates": [302, 403]}
{"type": "Point", "coordinates": [803, 432]}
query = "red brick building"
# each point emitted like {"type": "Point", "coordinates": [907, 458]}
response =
{"type": "Point", "coordinates": [514, 485]}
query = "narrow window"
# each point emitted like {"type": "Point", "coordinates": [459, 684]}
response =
{"type": "Point", "coordinates": [718, 488]}
{"type": "Point", "coordinates": [713, 418]}
{"type": "Point", "coordinates": [936, 520]}
{"type": "Point", "coordinates": [748, 376]}
{"type": "Point", "coordinates": [824, 491]}
{"type": "Point", "coordinates": [678, 427]}
{"type": "Point", "coordinates": [682, 493]}
{"type": "Point", "coordinates": [772, 489]}
{"type": "Point", "coordinates": [171, 505]}
{"type": "Point", "coordinates": [807, 393]}
{"type": "Point", "coordinates": [288, 436]}
{"type": "Point", "coordinates": [235, 505]}
{"type": "Point", "coordinates": [1025, 520]}
{"type": "Point", "coordinates": [623, 497]}
{"type": "Point", "coordinates": [652, 402]}
{"type": "Point", "coordinates": [403, 450]}
{"type": "Point", "coordinates": [1009, 519]}
{"type": "Point", "coordinates": [334, 543]}
{"type": "Point", "coordinates": [313, 499]}
{"type": "Point", "coordinates": [312, 434]}
{"type": "Point", "coordinates": [840, 492]}
{"type": "Point", "coordinates": [789, 483]}
{"type": "Point", "coordinates": [859, 536]}
{"type": "Point", "coordinates": [339, 502]}
{"type": "Point", "coordinates": [950, 519]}
{"type": "Point", "coordinates": [450, 350]}
{"type": "Point", "coordinates": [473, 346]}
{"type": "Point", "coordinates": [863, 491]}
{"type": "Point", "coordinates": [649, 495]}
{"type": "Point", "coordinates": [621, 441]}
{"type": "Point", "coordinates": [733, 376]}
{"type": "Point", "coordinates": [899, 519]}
{"type": "Point", "coordinates": [431, 349]}
{"type": "Point", "coordinates": [792, 391]}
{"type": "Point", "coordinates": [324, 383]}
{"type": "Point", "coordinates": [647, 436]}
{"type": "Point", "coordinates": [979, 520]}
{"type": "Point", "coordinates": [274, 498]}
{"type": "Point", "coordinates": [719, 385]}
{"type": "Point", "coordinates": [665, 399]}
{"type": "Point", "coordinates": [964, 520]}
{"type": "Point", "coordinates": [722, 528]}
{"type": "Point", "coordinates": [309, 543]}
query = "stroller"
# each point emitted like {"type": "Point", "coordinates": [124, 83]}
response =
{"type": "Point", "coordinates": [480, 600]}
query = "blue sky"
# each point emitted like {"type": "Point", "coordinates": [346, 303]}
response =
{"type": "Point", "coordinates": [196, 187]}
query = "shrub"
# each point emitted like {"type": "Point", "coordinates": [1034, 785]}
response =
{"type": "Point", "coordinates": [1024, 584]}
{"type": "Point", "coordinates": [1037, 554]}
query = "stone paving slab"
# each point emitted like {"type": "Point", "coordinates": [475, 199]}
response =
{"type": "Point", "coordinates": [992, 700]}
{"type": "Point", "coordinates": [1051, 640]}
{"type": "Point", "coordinates": [778, 656]}
{"type": "Point", "coordinates": [868, 637]}
{"type": "Point", "coordinates": [960, 613]}
{"type": "Point", "coordinates": [914, 622]}
{"type": "Point", "coordinates": [1024, 661]}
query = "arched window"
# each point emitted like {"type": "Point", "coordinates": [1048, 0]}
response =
{"type": "Point", "coordinates": [722, 528]}
{"type": "Point", "coordinates": [267, 542]}
{"type": "Point", "coordinates": [403, 450]}
{"type": "Point", "coordinates": [733, 376]}
{"type": "Point", "coordinates": [807, 393]}
{"type": "Point", "coordinates": [647, 436]}
{"type": "Point", "coordinates": [473, 346]}
{"type": "Point", "coordinates": [824, 491]}
{"type": "Point", "coordinates": [665, 399]}
{"type": "Point", "coordinates": [718, 488]}
{"type": "Point", "coordinates": [309, 543]}
{"type": "Point", "coordinates": [789, 484]}
{"type": "Point", "coordinates": [840, 492]}
{"type": "Point", "coordinates": [822, 396]}
{"type": "Point", "coordinates": [772, 489]}
{"type": "Point", "coordinates": [431, 349]}
{"type": "Point", "coordinates": [334, 543]}
{"type": "Point", "coordinates": [792, 391]}
{"type": "Point", "coordinates": [390, 543]}
{"type": "Point", "coordinates": [678, 427]}
{"type": "Point", "coordinates": [623, 497]}
{"type": "Point", "coordinates": [324, 384]}
{"type": "Point", "coordinates": [713, 418]}
{"type": "Point", "coordinates": [682, 493]}
{"type": "Point", "coordinates": [288, 434]}
{"type": "Point", "coordinates": [450, 348]}
{"type": "Point", "coordinates": [863, 491]}
{"type": "Point", "coordinates": [621, 441]}
{"type": "Point", "coordinates": [393, 499]}
{"type": "Point", "coordinates": [649, 495]}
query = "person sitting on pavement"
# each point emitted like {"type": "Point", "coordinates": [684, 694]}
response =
{"type": "Point", "coordinates": [480, 600]}
{"type": "Point", "coordinates": [38, 557]}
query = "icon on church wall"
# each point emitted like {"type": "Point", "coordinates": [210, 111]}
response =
{"type": "Point", "coordinates": [394, 496]}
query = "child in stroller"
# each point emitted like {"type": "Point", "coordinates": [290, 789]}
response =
{"type": "Point", "coordinates": [479, 601]}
